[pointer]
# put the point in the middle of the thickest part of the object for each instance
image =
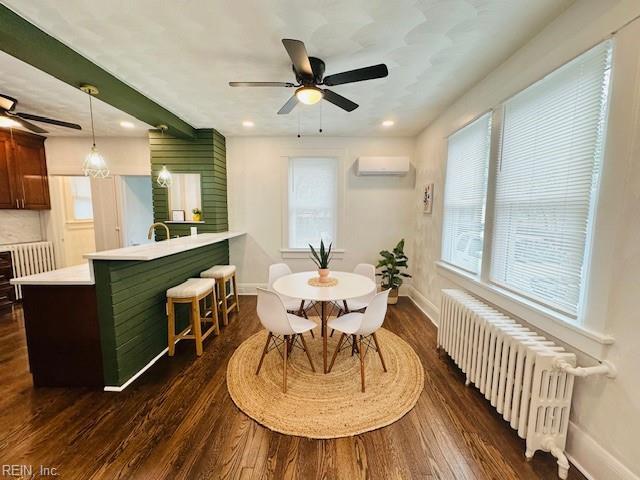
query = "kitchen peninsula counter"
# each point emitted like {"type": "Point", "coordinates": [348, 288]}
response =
{"type": "Point", "coordinates": [103, 324]}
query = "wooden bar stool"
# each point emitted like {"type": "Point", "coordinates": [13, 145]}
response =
{"type": "Point", "coordinates": [192, 291]}
{"type": "Point", "coordinates": [224, 274]}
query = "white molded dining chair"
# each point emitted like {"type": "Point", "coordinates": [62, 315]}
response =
{"type": "Point", "coordinates": [361, 329]}
{"type": "Point", "coordinates": [360, 303]}
{"type": "Point", "coordinates": [293, 305]}
{"type": "Point", "coordinates": [284, 329]}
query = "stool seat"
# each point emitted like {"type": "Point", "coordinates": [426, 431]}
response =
{"type": "Point", "coordinates": [219, 271]}
{"type": "Point", "coordinates": [193, 287]}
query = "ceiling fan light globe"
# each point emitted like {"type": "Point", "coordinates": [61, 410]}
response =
{"type": "Point", "coordinates": [309, 95]}
{"type": "Point", "coordinates": [7, 122]}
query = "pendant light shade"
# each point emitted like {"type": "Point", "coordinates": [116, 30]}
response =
{"type": "Point", "coordinates": [94, 164]}
{"type": "Point", "coordinates": [164, 177]}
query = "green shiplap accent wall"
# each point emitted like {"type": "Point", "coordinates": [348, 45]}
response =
{"type": "Point", "coordinates": [204, 154]}
{"type": "Point", "coordinates": [131, 306]}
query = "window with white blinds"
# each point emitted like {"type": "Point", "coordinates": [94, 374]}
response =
{"type": "Point", "coordinates": [547, 179]}
{"type": "Point", "coordinates": [313, 201]}
{"type": "Point", "coordinates": [465, 194]}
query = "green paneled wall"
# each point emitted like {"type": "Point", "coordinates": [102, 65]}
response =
{"type": "Point", "coordinates": [131, 306]}
{"type": "Point", "coordinates": [205, 154]}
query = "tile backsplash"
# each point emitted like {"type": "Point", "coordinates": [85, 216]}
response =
{"type": "Point", "coordinates": [19, 226]}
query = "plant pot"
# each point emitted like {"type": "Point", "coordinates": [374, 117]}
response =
{"type": "Point", "coordinates": [197, 217]}
{"type": "Point", "coordinates": [393, 296]}
{"type": "Point", "coordinates": [324, 275]}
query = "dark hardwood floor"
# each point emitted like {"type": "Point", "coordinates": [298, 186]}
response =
{"type": "Point", "coordinates": [178, 421]}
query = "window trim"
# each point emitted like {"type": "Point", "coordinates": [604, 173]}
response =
{"type": "Point", "coordinates": [340, 156]}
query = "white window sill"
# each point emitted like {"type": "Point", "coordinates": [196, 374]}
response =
{"type": "Point", "coordinates": [549, 321]}
{"type": "Point", "coordinates": [336, 253]}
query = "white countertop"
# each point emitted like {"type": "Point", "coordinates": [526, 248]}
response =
{"type": "Point", "coordinates": [151, 251]}
{"type": "Point", "coordinates": [76, 275]}
{"type": "Point", "coordinates": [83, 274]}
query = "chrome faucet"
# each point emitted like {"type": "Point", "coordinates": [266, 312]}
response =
{"type": "Point", "coordinates": [158, 224]}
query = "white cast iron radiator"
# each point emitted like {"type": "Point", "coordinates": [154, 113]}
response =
{"type": "Point", "coordinates": [30, 258]}
{"type": "Point", "coordinates": [519, 371]}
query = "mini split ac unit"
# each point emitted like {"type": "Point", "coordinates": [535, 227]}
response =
{"type": "Point", "coordinates": [383, 165]}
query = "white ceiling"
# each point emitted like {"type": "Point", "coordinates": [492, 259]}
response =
{"type": "Point", "coordinates": [182, 54]}
{"type": "Point", "coordinates": [42, 94]}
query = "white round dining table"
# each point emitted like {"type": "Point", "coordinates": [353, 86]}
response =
{"type": "Point", "coordinates": [350, 285]}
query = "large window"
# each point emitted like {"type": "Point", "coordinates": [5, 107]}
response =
{"type": "Point", "coordinates": [465, 194]}
{"type": "Point", "coordinates": [545, 186]}
{"type": "Point", "coordinates": [313, 199]}
{"type": "Point", "coordinates": [79, 206]}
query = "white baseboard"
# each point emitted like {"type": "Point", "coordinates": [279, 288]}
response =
{"type": "Point", "coordinates": [593, 461]}
{"type": "Point", "coordinates": [113, 388]}
{"type": "Point", "coordinates": [120, 388]}
{"type": "Point", "coordinates": [425, 305]}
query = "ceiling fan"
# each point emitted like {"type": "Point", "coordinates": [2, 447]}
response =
{"type": "Point", "coordinates": [7, 111]}
{"type": "Point", "coordinates": [309, 72]}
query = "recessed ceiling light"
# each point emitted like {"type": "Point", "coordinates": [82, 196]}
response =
{"type": "Point", "coordinates": [126, 124]}
{"type": "Point", "coordinates": [8, 122]}
{"type": "Point", "coordinates": [388, 123]}
{"type": "Point", "coordinates": [248, 123]}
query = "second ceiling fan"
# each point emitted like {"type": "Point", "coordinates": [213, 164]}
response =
{"type": "Point", "coordinates": [309, 72]}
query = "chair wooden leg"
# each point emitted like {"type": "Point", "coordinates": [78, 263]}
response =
{"type": "Point", "coordinates": [222, 292]}
{"type": "Point", "coordinates": [335, 354]}
{"type": "Point", "coordinates": [235, 293]}
{"type": "Point", "coordinates": [306, 350]}
{"type": "Point", "coordinates": [284, 364]}
{"type": "Point", "coordinates": [214, 312]}
{"type": "Point", "coordinates": [375, 339]}
{"type": "Point", "coordinates": [361, 354]}
{"type": "Point", "coordinates": [195, 322]}
{"type": "Point", "coordinates": [264, 352]}
{"type": "Point", "coordinates": [171, 320]}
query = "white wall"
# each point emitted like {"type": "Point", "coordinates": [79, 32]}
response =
{"type": "Point", "coordinates": [606, 413]}
{"type": "Point", "coordinates": [124, 155]}
{"type": "Point", "coordinates": [376, 209]}
{"type": "Point", "coordinates": [65, 156]}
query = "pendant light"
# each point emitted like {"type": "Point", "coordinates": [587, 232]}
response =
{"type": "Point", "coordinates": [164, 177]}
{"type": "Point", "coordinates": [94, 164]}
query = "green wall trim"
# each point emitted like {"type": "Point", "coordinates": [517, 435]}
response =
{"type": "Point", "coordinates": [28, 43]}
{"type": "Point", "coordinates": [205, 154]}
{"type": "Point", "coordinates": [132, 306]}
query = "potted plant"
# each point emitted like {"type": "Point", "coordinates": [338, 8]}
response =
{"type": "Point", "coordinates": [321, 259]}
{"type": "Point", "coordinates": [391, 263]}
{"type": "Point", "coordinates": [197, 215]}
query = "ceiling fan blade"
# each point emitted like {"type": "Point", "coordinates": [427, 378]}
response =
{"type": "Point", "coordinates": [357, 75]}
{"type": "Point", "coordinates": [27, 125]}
{"type": "Point", "coordinates": [7, 103]}
{"type": "Point", "coordinates": [261, 84]}
{"type": "Point", "coordinates": [287, 107]}
{"type": "Point", "coordinates": [339, 101]}
{"type": "Point", "coordinates": [38, 118]}
{"type": "Point", "coordinates": [299, 57]}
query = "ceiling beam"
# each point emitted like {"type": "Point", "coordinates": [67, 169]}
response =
{"type": "Point", "coordinates": [28, 43]}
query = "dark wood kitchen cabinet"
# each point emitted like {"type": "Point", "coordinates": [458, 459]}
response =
{"type": "Point", "coordinates": [23, 171]}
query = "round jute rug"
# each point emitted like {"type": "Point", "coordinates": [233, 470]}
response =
{"type": "Point", "coordinates": [325, 406]}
